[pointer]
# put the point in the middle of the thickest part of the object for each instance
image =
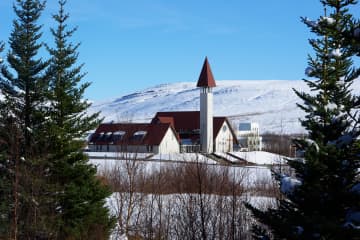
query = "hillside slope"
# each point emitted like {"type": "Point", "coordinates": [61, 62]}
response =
{"type": "Point", "coordinates": [271, 103]}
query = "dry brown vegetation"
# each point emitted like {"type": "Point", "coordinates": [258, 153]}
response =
{"type": "Point", "coordinates": [280, 143]}
{"type": "Point", "coordinates": [183, 201]}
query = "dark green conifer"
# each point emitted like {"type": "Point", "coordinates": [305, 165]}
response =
{"type": "Point", "coordinates": [80, 197]}
{"type": "Point", "coordinates": [325, 198]}
{"type": "Point", "coordinates": [24, 83]}
{"type": "Point", "coordinates": [5, 174]}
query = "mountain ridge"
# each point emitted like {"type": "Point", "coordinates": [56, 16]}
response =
{"type": "Point", "coordinates": [271, 103]}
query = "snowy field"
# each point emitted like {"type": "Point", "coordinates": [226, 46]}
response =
{"type": "Point", "coordinates": [254, 157]}
{"type": "Point", "coordinates": [140, 212]}
{"type": "Point", "coordinates": [183, 157]}
{"type": "Point", "coordinates": [174, 157]}
{"type": "Point", "coordinates": [259, 173]}
{"type": "Point", "coordinates": [249, 176]}
{"type": "Point", "coordinates": [260, 157]}
{"type": "Point", "coordinates": [228, 157]}
{"type": "Point", "coordinates": [118, 155]}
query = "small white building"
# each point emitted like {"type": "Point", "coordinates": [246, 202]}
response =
{"type": "Point", "coordinates": [249, 138]}
{"type": "Point", "coordinates": [224, 139]}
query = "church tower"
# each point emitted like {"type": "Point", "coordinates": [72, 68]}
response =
{"type": "Point", "coordinates": [206, 83]}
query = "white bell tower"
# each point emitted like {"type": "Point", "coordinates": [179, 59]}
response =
{"type": "Point", "coordinates": [206, 83]}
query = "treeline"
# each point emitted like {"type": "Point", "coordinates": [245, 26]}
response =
{"type": "Point", "coordinates": [47, 188]}
{"type": "Point", "coordinates": [282, 144]}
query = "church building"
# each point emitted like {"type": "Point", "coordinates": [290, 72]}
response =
{"type": "Point", "coordinates": [172, 132]}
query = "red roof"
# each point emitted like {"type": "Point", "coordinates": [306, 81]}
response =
{"type": "Point", "coordinates": [166, 120]}
{"type": "Point", "coordinates": [181, 121]}
{"type": "Point", "coordinates": [107, 133]}
{"type": "Point", "coordinates": [189, 122]}
{"type": "Point", "coordinates": [206, 78]}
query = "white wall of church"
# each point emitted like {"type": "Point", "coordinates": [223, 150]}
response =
{"type": "Point", "coordinates": [224, 139]}
{"type": "Point", "coordinates": [169, 144]}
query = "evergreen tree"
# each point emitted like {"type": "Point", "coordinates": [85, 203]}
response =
{"type": "Point", "coordinates": [5, 176]}
{"type": "Point", "coordinates": [80, 197]}
{"type": "Point", "coordinates": [352, 36]}
{"type": "Point", "coordinates": [324, 199]}
{"type": "Point", "coordinates": [22, 124]}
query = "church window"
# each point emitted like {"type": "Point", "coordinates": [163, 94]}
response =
{"type": "Point", "coordinates": [139, 135]}
{"type": "Point", "coordinates": [118, 135]}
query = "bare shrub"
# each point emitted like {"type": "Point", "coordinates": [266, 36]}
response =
{"type": "Point", "coordinates": [180, 200]}
{"type": "Point", "coordinates": [280, 143]}
{"type": "Point", "coordinates": [127, 180]}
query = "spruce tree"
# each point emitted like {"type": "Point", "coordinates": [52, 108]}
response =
{"type": "Point", "coordinates": [324, 199]}
{"type": "Point", "coordinates": [24, 84]}
{"type": "Point", "coordinates": [80, 197]}
{"type": "Point", "coordinates": [5, 175]}
{"type": "Point", "coordinates": [352, 36]}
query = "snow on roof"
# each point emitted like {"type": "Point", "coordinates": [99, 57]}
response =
{"type": "Point", "coordinates": [119, 133]}
{"type": "Point", "coordinates": [260, 157]}
{"type": "Point", "coordinates": [139, 133]}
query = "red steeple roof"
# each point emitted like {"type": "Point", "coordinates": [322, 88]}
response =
{"type": "Point", "coordinates": [206, 78]}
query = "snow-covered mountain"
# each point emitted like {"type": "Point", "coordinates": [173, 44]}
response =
{"type": "Point", "coordinates": [271, 103]}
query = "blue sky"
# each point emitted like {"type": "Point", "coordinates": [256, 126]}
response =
{"type": "Point", "coordinates": [128, 45]}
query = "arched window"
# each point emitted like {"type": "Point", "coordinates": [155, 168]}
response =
{"type": "Point", "coordinates": [118, 135]}
{"type": "Point", "coordinates": [139, 135]}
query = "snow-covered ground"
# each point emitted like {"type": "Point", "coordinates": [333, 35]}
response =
{"type": "Point", "coordinates": [227, 157]}
{"type": "Point", "coordinates": [184, 157]}
{"type": "Point", "coordinates": [271, 103]}
{"type": "Point", "coordinates": [172, 206]}
{"type": "Point", "coordinates": [175, 157]}
{"type": "Point", "coordinates": [254, 157]}
{"type": "Point", "coordinates": [118, 155]}
{"type": "Point", "coordinates": [250, 177]}
{"type": "Point", "coordinates": [261, 157]}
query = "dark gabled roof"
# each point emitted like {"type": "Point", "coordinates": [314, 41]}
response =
{"type": "Point", "coordinates": [181, 121]}
{"type": "Point", "coordinates": [206, 78]}
{"type": "Point", "coordinates": [106, 133]}
{"type": "Point", "coordinates": [189, 121]}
